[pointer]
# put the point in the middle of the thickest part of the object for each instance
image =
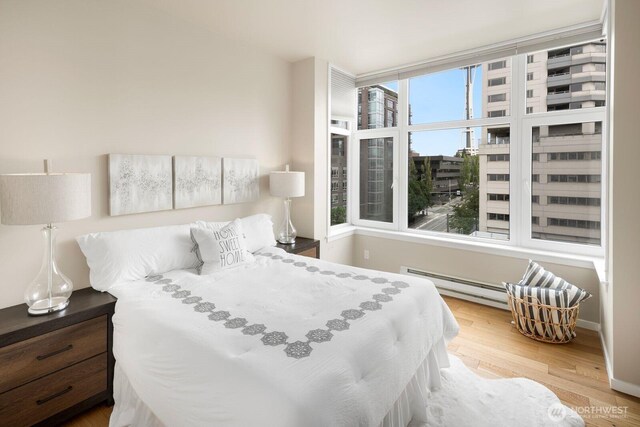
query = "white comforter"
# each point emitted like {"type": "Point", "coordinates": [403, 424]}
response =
{"type": "Point", "coordinates": [286, 341]}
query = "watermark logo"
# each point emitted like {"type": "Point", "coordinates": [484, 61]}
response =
{"type": "Point", "coordinates": [557, 412]}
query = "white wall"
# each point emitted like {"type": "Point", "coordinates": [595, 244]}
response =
{"type": "Point", "coordinates": [83, 78]}
{"type": "Point", "coordinates": [621, 335]}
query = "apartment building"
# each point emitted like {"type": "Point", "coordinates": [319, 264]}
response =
{"type": "Point", "coordinates": [566, 159]}
{"type": "Point", "coordinates": [377, 108]}
{"type": "Point", "coordinates": [445, 174]}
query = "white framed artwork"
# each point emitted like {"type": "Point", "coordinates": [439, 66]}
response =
{"type": "Point", "coordinates": [197, 181]}
{"type": "Point", "coordinates": [139, 183]}
{"type": "Point", "coordinates": [240, 180]}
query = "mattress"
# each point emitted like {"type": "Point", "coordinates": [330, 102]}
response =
{"type": "Point", "coordinates": [283, 341]}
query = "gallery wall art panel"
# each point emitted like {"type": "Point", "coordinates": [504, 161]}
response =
{"type": "Point", "coordinates": [139, 183]}
{"type": "Point", "coordinates": [197, 181]}
{"type": "Point", "coordinates": [241, 182]}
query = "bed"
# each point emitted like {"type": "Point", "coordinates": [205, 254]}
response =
{"type": "Point", "coordinates": [284, 341]}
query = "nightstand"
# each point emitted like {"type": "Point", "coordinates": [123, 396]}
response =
{"type": "Point", "coordinates": [303, 246]}
{"type": "Point", "coordinates": [55, 366]}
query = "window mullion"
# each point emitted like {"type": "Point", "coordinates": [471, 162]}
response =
{"type": "Point", "coordinates": [403, 157]}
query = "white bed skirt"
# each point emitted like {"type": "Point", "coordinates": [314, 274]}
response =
{"type": "Point", "coordinates": [410, 407]}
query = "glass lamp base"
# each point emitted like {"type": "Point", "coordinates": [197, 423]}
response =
{"type": "Point", "coordinates": [287, 240]}
{"type": "Point", "coordinates": [46, 306]}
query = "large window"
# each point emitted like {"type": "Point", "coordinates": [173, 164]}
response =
{"type": "Point", "coordinates": [506, 150]}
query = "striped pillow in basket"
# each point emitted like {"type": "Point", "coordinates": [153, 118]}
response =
{"type": "Point", "coordinates": [536, 276]}
{"type": "Point", "coordinates": [537, 320]}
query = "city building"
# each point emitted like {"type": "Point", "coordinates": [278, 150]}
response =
{"type": "Point", "coordinates": [445, 174]}
{"type": "Point", "coordinates": [338, 171]}
{"type": "Point", "coordinates": [377, 108]}
{"type": "Point", "coordinates": [566, 159]}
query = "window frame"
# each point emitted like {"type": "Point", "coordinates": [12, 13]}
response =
{"type": "Point", "coordinates": [354, 190]}
{"type": "Point", "coordinates": [520, 186]}
{"type": "Point", "coordinates": [348, 133]}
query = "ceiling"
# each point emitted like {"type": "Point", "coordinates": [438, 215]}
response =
{"type": "Point", "coordinates": [362, 36]}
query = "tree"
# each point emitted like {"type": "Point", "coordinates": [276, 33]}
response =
{"type": "Point", "coordinates": [338, 215]}
{"type": "Point", "coordinates": [419, 189]}
{"type": "Point", "coordinates": [465, 215]}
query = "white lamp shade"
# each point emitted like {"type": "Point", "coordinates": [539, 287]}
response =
{"type": "Point", "coordinates": [286, 184]}
{"type": "Point", "coordinates": [39, 198]}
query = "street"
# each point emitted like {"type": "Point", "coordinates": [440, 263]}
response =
{"type": "Point", "coordinates": [436, 219]}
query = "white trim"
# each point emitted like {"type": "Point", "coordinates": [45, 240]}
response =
{"type": "Point", "coordinates": [587, 324]}
{"type": "Point", "coordinates": [483, 246]}
{"type": "Point", "coordinates": [624, 387]}
{"type": "Point", "coordinates": [614, 383]}
{"type": "Point", "coordinates": [338, 232]}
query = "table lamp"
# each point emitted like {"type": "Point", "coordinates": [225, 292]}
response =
{"type": "Point", "coordinates": [287, 184]}
{"type": "Point", "coordinates": [45, 198]}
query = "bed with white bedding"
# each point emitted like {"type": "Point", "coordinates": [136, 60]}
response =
{"type": "Point", "coordinates": [283, 341]}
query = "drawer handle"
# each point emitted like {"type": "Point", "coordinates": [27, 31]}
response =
{"type": "Point", "coordinates": [53, 396]}
{"type": "Point", "coordinates": [53, 353]}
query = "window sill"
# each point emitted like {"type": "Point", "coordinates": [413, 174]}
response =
{"type": "Point", "coordinates": [340, 232]}
{"type": "Point", "coordinates": [590, 262]}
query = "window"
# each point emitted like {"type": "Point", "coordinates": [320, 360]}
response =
{"type": "Point", "coordinates": [575, 178]}
{"type": "Point", "coordinates": [576, 187]}
{"type": "Point", "coordinates": [576, 201]}
{"type": "Point", "coordinates": [497, 81]}
{"type": "Point", "coordinates": [574, 223]}
{"type": "Point", "coordinates": [578, 155]}
{"type": "Point", "coordinates": [561, 93]}
{"type": "Point", "coordinates": [498, 177]}
{"type": "Point", "coordinates": [376, 179]}
{"type": "Point", "coordinates": [427, 93]}
{"type": "Point", "coordinates": [339, 183]}
{"type": "Point", "coordinates": [497, 65]}
{"type": "Point", "coordinates": [445, 189]}
{"type": "Point", "coordinates": [498, 197]}
{"type": "Point", "coordinates": [498, 217]}
{"type": "Point", "coordinates": [377, 106]}
{"type": "Point", "coordinates": [455, 142]}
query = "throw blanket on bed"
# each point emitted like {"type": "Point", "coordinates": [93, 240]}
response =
{"type": "Point", "coordinates": [286, 340]}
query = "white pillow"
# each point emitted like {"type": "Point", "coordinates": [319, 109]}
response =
{"type": "Point", "coordinates": [258, 230]}
{"type": "Point", "coordinates": [119, 256]}
{"type": "Point", "coordinates": [220, 248]}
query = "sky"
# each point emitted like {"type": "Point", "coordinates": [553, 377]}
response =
{"type": "Point", "coordinates": [439, 97]}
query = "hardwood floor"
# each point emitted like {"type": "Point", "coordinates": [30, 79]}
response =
{"type": "Point", "coordinates": [490, 346]}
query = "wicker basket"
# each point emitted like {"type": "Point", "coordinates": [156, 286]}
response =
{"type": "Point", "coordinates": [554, 325]}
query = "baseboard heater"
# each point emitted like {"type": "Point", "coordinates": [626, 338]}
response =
{"type": "Point", "coordinates": [470, 290]}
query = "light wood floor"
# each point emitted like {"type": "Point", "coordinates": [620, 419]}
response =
{"type": "Point", "coordinates": [492, 348]}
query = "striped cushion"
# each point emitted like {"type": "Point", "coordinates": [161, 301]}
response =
{"type": "Point", "coordinates": [547, 296]}
{"type": "Point", "coordinates": [537, 276]}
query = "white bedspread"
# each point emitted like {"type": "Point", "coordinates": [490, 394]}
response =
{"type": "Point", "coordinates": [286, 341]}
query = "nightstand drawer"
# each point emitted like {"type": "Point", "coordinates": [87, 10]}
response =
{"type": "Point", "coordinates": [311, 252]}
{"type": "Point", "coordinates": [42, 398]}
{"type": "Point", "coordinates": [33, 358]}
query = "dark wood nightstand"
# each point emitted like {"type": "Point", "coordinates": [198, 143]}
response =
{"type": "Point", "coordinates": [55, 366]}
{"type": "Point", "coordinates": [303, 246]}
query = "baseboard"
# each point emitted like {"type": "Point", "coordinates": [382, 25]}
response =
{"type": "Point", "coordinates": [616, 384]}
{"type": "Point", "coordinates": [587, 324]}
{"type": "Point", "coordinates": [625, 387]}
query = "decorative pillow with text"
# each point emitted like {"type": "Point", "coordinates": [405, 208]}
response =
{"type": "Point", "coordinates": [218, 249]}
